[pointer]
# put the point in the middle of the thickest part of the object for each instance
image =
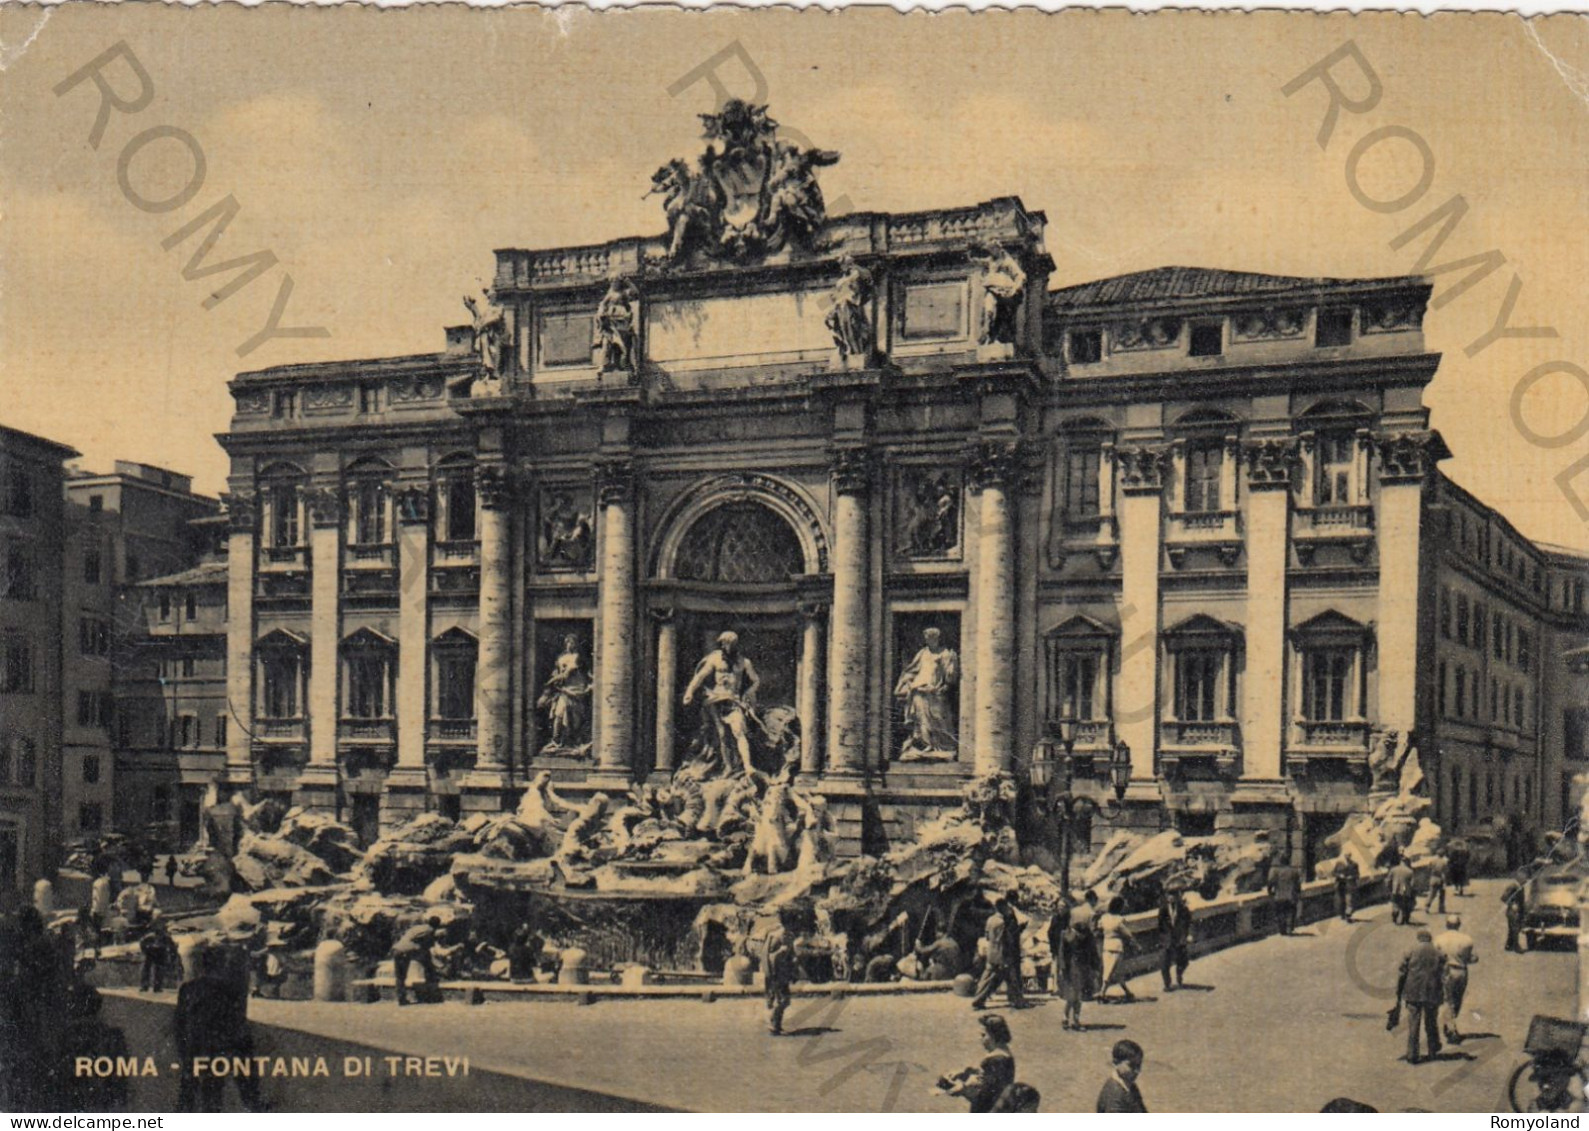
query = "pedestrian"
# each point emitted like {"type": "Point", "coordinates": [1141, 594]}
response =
{"type": "Point", "coordinates": [211, 1021]}
{"type": "Point", "coordinates": [984, 1084]}
{"type": "Point", "coordinates": [1403, 892]}
{"type": "Point", "coordinates": [1120, 1094]}
{"type": "Point", "coordinates": [415, 945]}
{"type": "Point", "coordinates": [1459, 855]}
{"type": "Point", "coordinates": [1058, 924]}
{"type": "Point", "coordinates": [88, 929]}
{"type": "Point", "coordinates": [998, 968]}
{"type": "Point", "coordinates": [778, 974]}
{"type": "Point", "coordinates": [1175, 933]}
{"type": "Point", "coordinates": [1285, 893]}
{"type": "Point", "coordinates": [171, 870]}
{"type": "Point", "coordinates": [1456, 946]}
{"type": "Point", "coordinates": [524, 953]}
{"type": "Point", "coordinates": [1420, 988]}
{"type": "Point", "coordinates": [1075, 966]}
{"type": "Point", "coordinates": [1437, 886]}
{"type": "Point", "coordinates": [1346, 876]}
{"type": "Point", "coordinates": [939, 961]}
{"type": "Point", "coordinates": [158, 953]}
{"type": "Point", "coordinates": [1514, 898]}
{"type": "Point", "coordinates": [1115, 937]}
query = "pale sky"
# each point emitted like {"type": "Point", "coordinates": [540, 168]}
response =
{"type": "Point", "coordinates": [382, 156]}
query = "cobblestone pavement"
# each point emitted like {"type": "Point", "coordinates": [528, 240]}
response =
{"type": "Point", "coordinates": [1279, 1025]}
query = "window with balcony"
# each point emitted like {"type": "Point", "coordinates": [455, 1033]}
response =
{"type": "Point", "coordinates": [17, 676]}
{"type": "Point", "coordinates": [1076, 678]}
{"type": "Point", "coordinates": [1336, 474]}
{"type": "Point", "coordinates": [285, 505]}
{"type": "Point", "coordinates": [1202, 670]}
{"type": "Point", "coordinates": [1327, 678]}
{"type": "Point", "coordinates": [369, 663]}
{"type": "Point", "coordinates": [281, 670]}
{"type": "Point", "coordinates": [1203, 463]}
{"type": "Point", "coordinates": [455, 655]}
{"type": "Point", "coordinates": [1082, 464]}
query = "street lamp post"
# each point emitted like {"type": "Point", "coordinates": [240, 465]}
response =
{"type": "Point", "coordinates": [1063, 804]}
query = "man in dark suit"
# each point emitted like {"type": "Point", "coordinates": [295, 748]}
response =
{"type": "Point", "coordinates": [778, 974]}
{"type": "Point", "coordinates": [1003, 964]}
{"type": "Point", "coordinates": [1285, 890]}
{"type": "Point", "coordinates": [415, 945]}
{"type": "Point", "coordinates": [1420, 988]}
{"type": "Point", "coordinates": [1403, 892]}
{"type": "Point", "coordinates": [1175, 935]}
{"type": "Point", "coordinates": [211, 1020]}
{"type": "Point", "coordinates": [1120, 1094]}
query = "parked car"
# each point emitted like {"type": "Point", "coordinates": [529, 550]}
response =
{"type": "Point", "coordinates": [1550, 905]}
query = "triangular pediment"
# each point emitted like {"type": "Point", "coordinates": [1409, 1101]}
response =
{"type": "Point", "coordinates": [367, 637]}
{"type": "Point", "coordinates": [1080, 626]}
{"type": "Point", "coordinates": [281, 638]}
{"type": "Point", "coordinates": [1201, 624]}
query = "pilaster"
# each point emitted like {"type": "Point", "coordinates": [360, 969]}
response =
{"type": "Point", "coordinates": [1271, 468]}
{"type": "Point", "coordinates": [1141, 470]}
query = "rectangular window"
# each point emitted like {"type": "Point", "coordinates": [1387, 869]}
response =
{"type": "Point", "coordinates": [1462, 618]}
{"type": "Point", "coordinates": [1462, 693]}
{"type": "Point", "coordinates": [191, 607]}
{"type": "Point", "coordinates": [165, 607]}
{"type": "Point", "coordinates": [1075, 684]}
{"type": "Point", "coordinates": [367, 685]}
{"type": "Point", "coordinates": [1081, 482]}
{"type": "Point", "coordinates": [1518, 717]}
{"type": "Point", "coordinates": [96, 504]}
{"type": "Point", "coordinates": [93, 637]}
{"type": "Point", "coordinates": [1334, 328]}
{"type": "Point", "coordinates": [1479, 621]}
{"type": "Point", "coordinates": [460, 509]}
{"type": "Point", "coordinates": [369, 514]}
{"type": "Point", "coordinates": [132, 568]}
{"type": "Point", "coordinates": [1524, 646]}
{"type": "Point", "coordinates": [1326, 684]}
{"type": "Point", "coordinates": [27, 762]}
{"type": "Point", "coordinates": [284, 516]}
{"type": "Point", "coordinates": [220, 730]}
{"type": "Point", "coordinates": [189, 667]}
{"type": "Point", "coordinates": [19, 493]}
{"type": "Point", "coordinates": [1197, 683]}
{"type": "Point", "coordinates": [1202, 477]}
{"type": "Point", "coordinates": [280, 686]}
{"type": "Point", "coordinates": [17, 583]}
{"type": "Point", "coordinates": [1440, 689]}
{"type": "Point", "coordinates": [369, 398]}
{"type": "Point", "coordinates": [1208, 339]}
{"type": "Point", "coordinates": [90, 769]}
{"type": "Point", "coordinates": [90, 817]}
{"type": "Point", "coordinates": [91, 567]}
{"type": "Point", "coordinates": [1445, 614]}
{"type": "Point", "coordinates": [1086, 346]}
{"type": "Point", "coordinates": [285, 404]}
{"type": "Point", "coordinates": [85, 708]}
{"type": "Point", "coordinates": [455, 670]}
{"type": "Point", "coordinates": [19, 666]}
{"type": "Point", "coordinates": [160, 804]}
{"type": "Point", "coordinates": [1336, 463]}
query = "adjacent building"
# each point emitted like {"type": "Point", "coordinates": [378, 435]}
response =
{"type": "Point", "coordinates": [123, 527]}
{"type": "Point", "coordinates": [32, 537]}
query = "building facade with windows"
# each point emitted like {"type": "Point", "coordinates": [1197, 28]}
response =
{"type": "Point", "coordinates": [32, 536]}
{"type": "Point", "coordinates": [962, 524]}
{"type": "Point", "coordinates": [122, 527]}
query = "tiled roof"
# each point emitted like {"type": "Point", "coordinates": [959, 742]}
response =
{"type": "Point", "coordinates": [205, 573]}
{"type": "Point", "coordinates": [1162, 283]}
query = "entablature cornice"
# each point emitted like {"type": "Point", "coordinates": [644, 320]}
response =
{"type": "Point", "coordinates": [1245, 380]}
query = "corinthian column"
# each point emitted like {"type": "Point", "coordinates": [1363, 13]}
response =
{"type": "Point", "coordinates": [325, 513]}
{"type": "Point", "coordinates": [493, 683]}
{"type": "Point", "coordinates": [615, 654]}
{"type": "Point", "coordinates": [848, 668]}
{"type": "Point", "coordinates": [994, 471]}
{"type": "Point", "coordinates": [241, 514]}
{"type": "Point", "coordinates": [413, 564]}
{"type": "Point", "coordinates": [809, 695]}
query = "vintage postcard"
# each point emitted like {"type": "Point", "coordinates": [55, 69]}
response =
{"type": "Point", "coordinates": [789, 562]}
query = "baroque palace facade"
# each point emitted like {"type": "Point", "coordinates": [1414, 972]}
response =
{"type": "Point", "coordinates": [960, 523]}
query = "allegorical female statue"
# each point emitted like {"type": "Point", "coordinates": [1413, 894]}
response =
{"type": "Point", "coordinates": [565, 698]}
{"type": "Point", "coordinates": [927, 685]}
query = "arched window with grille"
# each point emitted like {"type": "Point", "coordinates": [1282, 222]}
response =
{"type": "Point", "coordinates": [739, 543]}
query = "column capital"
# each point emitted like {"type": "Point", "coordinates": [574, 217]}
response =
{"type": "Point", "coordinates": [494, 484]}
{"type": "Point", "coordinates": [853, 469]}
{"type": "Point", "coordinates": [325, 505]}
{"type": "Point", "coordinates": [1270, 463]}
{"type": "Point", "coordinates": [242, 511]}
{"type": "Point", "coordinates": [1407, 457]}
{"type": "Point", "coordinates": [663, 615]}
{"type": "Point", "coordinates": [812, 610]}
{"type": "Point", "coordinates": [996, 463]}
{"type": "Point", "coordinates": [1142, 467]}
{"type": "Point", "coordinates": [615, 480]}
{"type": "Point", "coordinates": [413, 504]}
